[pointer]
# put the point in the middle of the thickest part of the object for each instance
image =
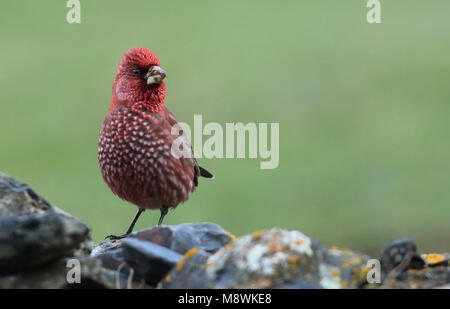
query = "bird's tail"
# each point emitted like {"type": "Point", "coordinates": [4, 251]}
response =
{"type": "Point", "coordinates": [205, 173]}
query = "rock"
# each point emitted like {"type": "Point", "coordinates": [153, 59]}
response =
{"type": "Point", "coordinates": [54, 276]}
{"type": "Point", "coordinates": [152, 253]}
{"type": "Point", "coordinates": [404, 268]}
{"type": "Point", "coordinates": [181, 276]}
{"type": "Point", "coordinates": [271, 259]}
{"type": "Point", "coordinates": [402, 253]}
{"type": "Point", "coordinates": [18, 199]}
{"type": "Point", "coordinates": [33, 232]}
{"type": "Point", "coordinates": [41, 246]}
{"type": "Point", "coordinates": [426, 278]}
{"type": "Point", "coordinates": [149, 261]}
{"type": "Point", "coordinates": [110, 254]}
{"type": "Point", "coordinates": [208, 237]}
{"type": "Point", "coordinates": [32, 240]}
{"type": "Point", "coordinates": [436, 259]}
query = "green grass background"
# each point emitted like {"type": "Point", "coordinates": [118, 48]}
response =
{"type": "Point", "coordinates": [363, 109]}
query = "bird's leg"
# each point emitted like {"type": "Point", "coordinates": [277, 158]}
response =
{"type": "Point", "coordinates": [130, 228]}
{"type": "Point", "coordinates": [164, 211]}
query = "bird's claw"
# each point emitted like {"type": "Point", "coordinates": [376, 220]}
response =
{"type": "Point", "coordinates": [115, 237]}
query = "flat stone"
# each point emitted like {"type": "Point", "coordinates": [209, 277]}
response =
{"type": "Point", "coordinates": [149, 261]}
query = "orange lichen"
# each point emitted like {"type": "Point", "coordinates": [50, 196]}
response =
{"type": "Point", "coordinates": [168, 278]}
{"type": "Point", "coordinates": [231, 235]}
{"type": "Point", "coordinates": [334, 248]}
{"type": "Point", "coordinates": [434, 258]}
{"type": "Point", "coordinates": [299, 242]}
{"type": "Point", "coordinates": [257, 235]}
{"type": "Point", "coordinates": [357, 260]}
{"type": "Point", "coordinates": [346, 265]}
{"type": "Point", "coordinates": [264, 283]}
{"type": "Point", "coordinates": [336, 273]}
{"type": "Point", "coordinates": [273, 246]}
{"type": "Point", "coordinates": [359, 274]}
{"type": "Point", "coordinates": [344, 284]}
{"type": "Point", "coordinates": [293, 260]}
{"type": "Point", "coordinates": [190, 253]}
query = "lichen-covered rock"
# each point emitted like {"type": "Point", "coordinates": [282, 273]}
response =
{"type": "Point", "coordinates": [18, 199]}
{"type": "Point", "coordinates": [272, 259]}
{"type": "Point", "coordinates": [404, 268]}
{"type": "Point", "coordinates": [426, 278]}
{"type": "Point", "coordinates": [436, 259]}
{"type": "Point", "coordinates": [181, 275]}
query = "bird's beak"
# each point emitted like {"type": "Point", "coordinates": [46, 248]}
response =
{"type": "Point", "coordinates": [155, 75]}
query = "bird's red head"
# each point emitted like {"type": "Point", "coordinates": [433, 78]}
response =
{"type": "Point", "coordinates": [139, 81]}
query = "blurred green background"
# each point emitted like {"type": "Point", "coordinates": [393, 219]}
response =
{"type": "Point", "coordinates": [363, 110]}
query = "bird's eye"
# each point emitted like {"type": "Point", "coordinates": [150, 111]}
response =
{"type": "Point", "coordinates": [136, 71]}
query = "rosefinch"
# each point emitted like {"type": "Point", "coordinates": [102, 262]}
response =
{"type": "Point", "coordinates": [135, 141]}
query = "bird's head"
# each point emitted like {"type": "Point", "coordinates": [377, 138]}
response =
{"type": "Point", "coordinates": [139, 80]}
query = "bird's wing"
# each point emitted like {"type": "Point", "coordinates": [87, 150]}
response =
{"type": "Point", "coordinates": [191, 162]}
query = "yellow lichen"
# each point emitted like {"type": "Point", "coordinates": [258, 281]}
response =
{"type": "Point", "coordinates": [211, 264]}
{"type": "Point", "coordinates": [357, 260]}
{"type": "Point", "coordinates": [344, 284]}
{"type": "Point", "coordinates": [307, 277]}
{"type": "Point", "coordinates": [257, 235]}
{"type": "Point", "coordinates": [168, 278]}
{"type": "Point", "coordinates": [346, 265]}
{"type": "Point", "coordinates": [336, 273]}
{"type": "Point", "coordinates": [334, 248]}
{"type": "Point", "coordinates": [359, 274]}
{"type": "Point", "coordinates": [433, 258]}
{"type": "Point", "coordinates": [190, 253]}
{"type": "Point", "coordinates": [293, 260]}
{"type": "Point", "coordinates": [231, 235]}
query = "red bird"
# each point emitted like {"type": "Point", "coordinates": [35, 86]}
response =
{"type": "Point", "coordinates": [135, 141]}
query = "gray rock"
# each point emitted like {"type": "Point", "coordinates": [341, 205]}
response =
{"type": "Point", "coordinates": [149, 261]}
{"type": "Point", "coordinates": [110, 254]}
{"type": "Point", "coordinates": [32, 240]}
{"type": "Point", "coordinates": [33, 232]}
{"type": "Point", "coordinates": [54, 276]}
{"type": "Point", "coordinates": [208, 237]}
{"type": "Point", "coordinates": [152, 253]}
{"type": "Point", "coordinates": [401, 253]}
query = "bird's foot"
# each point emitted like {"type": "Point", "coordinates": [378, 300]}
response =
{"type": "Point", "coordinates": [117, 237]}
